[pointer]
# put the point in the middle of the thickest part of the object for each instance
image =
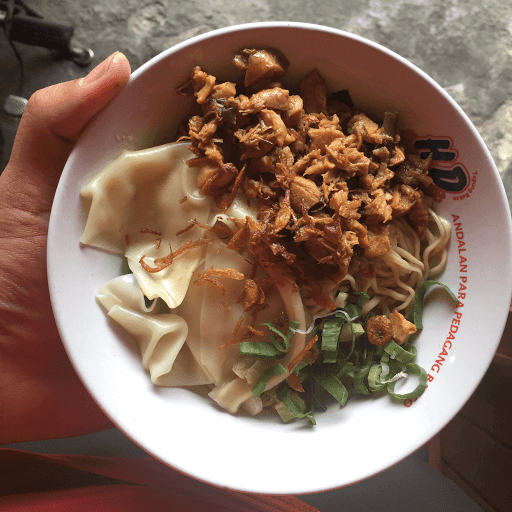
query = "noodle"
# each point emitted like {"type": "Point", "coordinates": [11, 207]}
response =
{"type": "Point", "coordinates": [399, 272]}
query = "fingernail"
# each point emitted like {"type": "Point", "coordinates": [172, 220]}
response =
{"type": "Point", "coordinates": [102, 68]}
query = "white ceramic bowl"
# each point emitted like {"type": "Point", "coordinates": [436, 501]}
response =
{"type": "Point", "coordinates": [261, 454]}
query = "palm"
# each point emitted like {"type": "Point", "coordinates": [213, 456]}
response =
{"type": "Point", "coordinates": [35, 368]}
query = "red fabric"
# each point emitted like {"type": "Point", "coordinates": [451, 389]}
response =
{"type": "Point", "coordinates": [73, 483]}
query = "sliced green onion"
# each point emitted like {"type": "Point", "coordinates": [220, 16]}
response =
{"type": "Point", "coordinates": [333, 386]}
{"type": "Point", "coordinates": [351, 331]}
{"type": "Point", "coordinates": [362, 299]}
{"type": "Point", "coordinates": [366, 370]}
{"type": "Point", "coordinates": [379, 350]}
{"type": "Point", "coordinates": [362, 374]}
{"type": "Point", "coordinates": [259, 350]}
{"type": "Point", "coordinates": [413, 369]}
{"type": "Point", "coordinates": [286, 337]}
{"type": "Point", "coordinates": [384, 358]}
{"type": "Point", "coordinates": [347, 370]}
{"type": "Point", "coordinates": [352, 347]}
{"type": "Point", "coordinates": [420, 295]}
{"type": "Point", "coordinates": [330, 337]}
{"type": "Point", "coordinates": [284, 412]}
{"type": "Point", "coordinates": [359, 383]}
{"type": "Point", "coordinates": [285, 346]}
{"type": "Point", "coordinates": [352, 311]}
{"type": "Point", "coordinates": [401, 354]}
{"type": "Point", "coordinates": [295, 405]}
{"type": "Point", "coordinates": [375, 376]}
{"type": "Point", "coordinates": [273, 371]}
{"type": "Point", "coordinates": [269, 351]}
{"type": "Point", "coordinates": [398, 373]}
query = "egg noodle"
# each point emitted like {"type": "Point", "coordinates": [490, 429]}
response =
{"type": "Point", "coordinates": [399, 272]}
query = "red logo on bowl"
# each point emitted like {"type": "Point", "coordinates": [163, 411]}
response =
{"type": "Point", "coordinates": [450, 176]}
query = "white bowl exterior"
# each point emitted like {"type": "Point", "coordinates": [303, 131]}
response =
{"type": "Point", "coordinates": [262, 454]}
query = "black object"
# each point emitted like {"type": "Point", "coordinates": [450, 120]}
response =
{"type": "Point", "coordinates": [22, 24]}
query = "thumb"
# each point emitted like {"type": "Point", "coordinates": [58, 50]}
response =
{"type": "Point", "coordinates": [53, 121]}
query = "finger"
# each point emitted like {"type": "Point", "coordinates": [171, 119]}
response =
{"type": "Point", "coordinates": [54, 119]}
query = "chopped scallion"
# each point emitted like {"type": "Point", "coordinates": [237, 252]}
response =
{"type": "Point", "coordinates": [333, 386]}
{"type": "Point", "coordinates": [361, 368]}
{"type": "Point", "coordinates": [420, 295]}
{"type": "Point", "coordinates": [259, 350]}
{"type": "Point", "coordinates": [295, 404]}
{"type": "Point", "coordinates": [413, 369]}
{"type": "Point", "coordinates": [330, 336]}
{"type": "Point", "coordinates": [273, 371]}
{"type": "Point", "coordinates": [269, 351]}
{"type": "Point", "coordinates": [403, 354]}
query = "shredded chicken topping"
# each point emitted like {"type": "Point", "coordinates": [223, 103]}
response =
{"type": "Point", "coordinates": [327, 178]}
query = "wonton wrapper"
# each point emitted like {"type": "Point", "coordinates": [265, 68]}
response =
{"type": "Point", "coordinates": [161, 336]}
{"type": "Point", "coordinates": [143, 189]}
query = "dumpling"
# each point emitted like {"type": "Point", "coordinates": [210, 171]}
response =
{"type": "Point", "coordinates": [161, 337]}
{"type": "Point", "coordinates": [137, 205]}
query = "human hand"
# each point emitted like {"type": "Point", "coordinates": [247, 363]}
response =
{"type": "Point", "coordinates": [41, 396]}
